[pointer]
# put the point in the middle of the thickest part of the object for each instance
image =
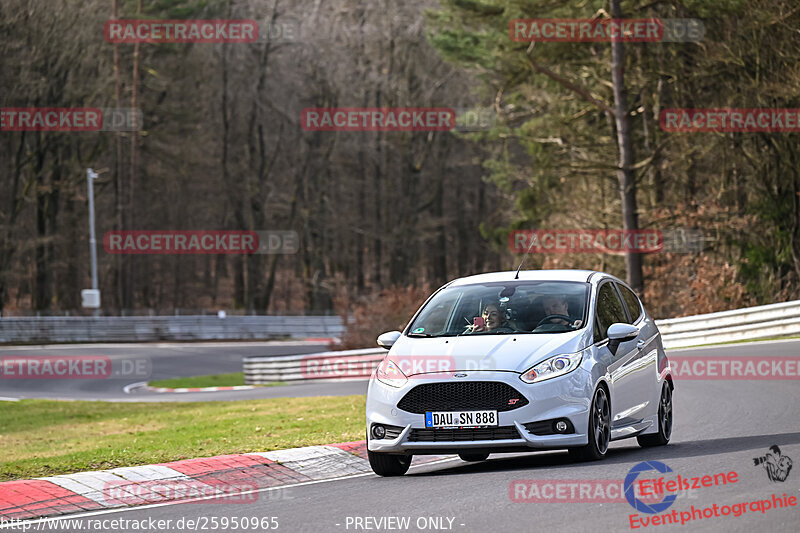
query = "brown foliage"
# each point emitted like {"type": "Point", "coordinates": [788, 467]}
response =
{"type": "Point", "coordinates": [389, 310]}
{"type": "Point", "coordinates": [693, 284]}
{"type": "Point", "coordinates": [682, 284]}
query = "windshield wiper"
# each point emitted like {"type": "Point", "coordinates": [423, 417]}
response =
{"type": "Point", "coordinates": [420, 335]}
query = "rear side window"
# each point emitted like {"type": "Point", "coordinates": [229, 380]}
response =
{"type": "Point", "coordinates": [609, 309]}
{"type": "Point", "coordinates": [631, 302]}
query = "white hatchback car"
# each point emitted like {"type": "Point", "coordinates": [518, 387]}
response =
{"type": "Point", "coordinates": [509, 362]}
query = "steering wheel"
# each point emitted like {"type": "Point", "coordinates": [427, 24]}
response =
{"type": "Point", "coordinates": [551, 317]}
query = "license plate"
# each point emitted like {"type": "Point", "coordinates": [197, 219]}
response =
{"type": "Point", "coordinates": [460, 419]}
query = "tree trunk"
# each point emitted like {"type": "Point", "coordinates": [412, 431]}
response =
{"type": "Point", "coordinates": [130, 282]}
{"type": "Point", "coordinates": [41, 285]}
{"type": "Point", "coordinates": [625, 173]}
{"type": "Point", "coordinates": [15, 204]}
{"type": "Point", "coordinates": [120, 262]}
{"type": "Point", "coordinates": [650, 133]}
{"type": "Point", "coordinates": [439, 253]}
{"type": "Point", "coordinates": [378, 230]}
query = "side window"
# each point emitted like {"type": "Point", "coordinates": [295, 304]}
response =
{"type": "Point", "coordinates": [631, 302]}
{"type": "Point", "coordinates": [435, 318]}
{"type": "Point", "coordinates": [609, 309]}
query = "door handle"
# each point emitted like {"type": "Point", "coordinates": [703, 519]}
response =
{"type": "Point", "coordinates": [640, 344]}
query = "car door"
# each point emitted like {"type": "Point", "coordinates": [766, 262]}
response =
{"type": "Point", "coordinates": [622, 368]}
{"type": "Point", "coordinates": [646, 382]}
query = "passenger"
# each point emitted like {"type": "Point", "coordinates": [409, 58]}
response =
{"type": "Point", "coordinates": [495, 321]}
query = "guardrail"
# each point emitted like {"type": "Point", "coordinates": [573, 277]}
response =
{"type": "Point", "coordinates": [345, 364]}
{"type": "Point", "coordinates": [166, 328]}
{"type": "Point", "coordinates": [741, 324]}
{"type": "Point", "coordinates": [751, 323]}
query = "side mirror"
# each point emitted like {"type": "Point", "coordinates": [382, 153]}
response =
{"type": "Point", "coordinates": [388, 339]}
{"type": "Point", "coordinates": [619, 333]}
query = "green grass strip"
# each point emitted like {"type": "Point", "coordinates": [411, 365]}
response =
{"type": "Point", "coordinates": [216, 380]}
{"type": "Point", "coordinates": [47, 437]}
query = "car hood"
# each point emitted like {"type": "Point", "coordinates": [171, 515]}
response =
{"type": "Point", "coordinates": [515, 353]}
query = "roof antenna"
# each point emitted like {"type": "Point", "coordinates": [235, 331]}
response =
{"type": "Point", "coordinates": [524, 258]}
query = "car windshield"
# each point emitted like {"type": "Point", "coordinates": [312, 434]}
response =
{"type": "Point", "coordinates": [502, 308]}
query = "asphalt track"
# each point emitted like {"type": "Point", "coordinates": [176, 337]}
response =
{"type": "Point", "coordinates": [138, 363]}
{"type": "Point", "coordinates": [720, 426]}
{"type": "Point", "coordinates": [170, 360]}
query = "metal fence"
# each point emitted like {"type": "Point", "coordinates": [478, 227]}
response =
{"type": "Point", "coordinates": [166, 328]}
{"type": "Point", "coordinates": [741, 324]}
{"type": "Point", "coordinates": [751, 323]}
{"type": "Point", "coordinates": [345, 364]}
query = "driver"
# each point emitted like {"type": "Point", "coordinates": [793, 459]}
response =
{"type": "Point", "coordinates": [556, 305]}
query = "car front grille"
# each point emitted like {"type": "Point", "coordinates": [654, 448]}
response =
{"type": "Point", "coordinates": [462, 396]}
{"type": "Point", "coordinates": [469, 434]}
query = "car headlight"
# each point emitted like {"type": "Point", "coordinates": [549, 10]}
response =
{"type": "Point", "coordinates": [552, 368]}
{"type": "Point", "coordinates": [389, 372]}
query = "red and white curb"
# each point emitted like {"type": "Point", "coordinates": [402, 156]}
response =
{"type": "Point", "coordinates": [128, 389]}
{"type": "Point", "coordinates": [200, 389]}
{"type": "Point", "coordinates": [222, 479]}
{"type": "Point", "coordinates": [322, 340]}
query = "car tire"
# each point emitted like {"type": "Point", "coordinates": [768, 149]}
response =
{"type": "Point", "coordinates": [664, 421]}
{"type": "Point", "coordinates": [473, 457]}
{"type": "Point", "coordinates": [388, 465]}
{"type": "Point", "coordinates": [599, 429]}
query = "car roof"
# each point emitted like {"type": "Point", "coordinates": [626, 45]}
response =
{"type": "Point", "coordinates": [530, 275]}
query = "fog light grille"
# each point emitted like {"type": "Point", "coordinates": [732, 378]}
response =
{"type": "Point", "coordinates": [465, 434]}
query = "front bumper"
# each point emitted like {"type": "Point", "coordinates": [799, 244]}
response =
{"type": "Point", "coordinates": [562, 397]}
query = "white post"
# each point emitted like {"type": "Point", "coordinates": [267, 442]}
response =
{"type": "Point", "coordinates": [92, 175]}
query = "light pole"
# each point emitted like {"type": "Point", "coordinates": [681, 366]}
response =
{"type": "Point", "coordinates": [92, 175]}
{"type": "Point", "coordinates": [91, 298]}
